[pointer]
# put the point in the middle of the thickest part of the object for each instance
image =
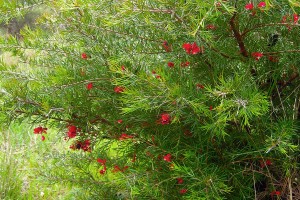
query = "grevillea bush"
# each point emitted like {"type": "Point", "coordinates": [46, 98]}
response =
{"type": "Point", "coordinates": [161, 99]}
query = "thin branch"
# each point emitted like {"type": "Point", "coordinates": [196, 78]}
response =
{"type": "Point", "coordinates": [278, 52]}
{"type": "Point", "coordinates": [238, 36]}
{"type": "Point", "coordinates": [214, 49]}
{"type": "Point", "coordinates": [44, 116]}
{"type": "Point", "coordinates": [266, 25]}
{"type": "Point", "coordinates": [80, 82]}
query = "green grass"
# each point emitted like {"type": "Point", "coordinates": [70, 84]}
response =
{"type": "Point", "coordinates": [24, 161]}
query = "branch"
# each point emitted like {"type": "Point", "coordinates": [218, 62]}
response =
{"type": "Point", "coordinates": [294, 76]}
{"type": "Point", "coordinates": [45, 116]}
{"type": "Point", "coordinates": [80, 82]}
{"type": "Point", "coordinates": [278, 52]}
{"type": "Point", "coordinates": [265, 25]}
{"type": "Point", "coordinates": [238, 36]}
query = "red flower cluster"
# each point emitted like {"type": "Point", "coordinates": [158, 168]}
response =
{"type": "Point", "coordinates": [72, 131]}
{"type": "Point", "coordinates": [167, 157]}
{"type": "Point", "coordinates": [257, 55]}
{"type": "Point", "coordinates": [40, 130]}
{"type": "Point", "coordinates": [85, 145]}
{"type": "Point", "coordinates": [261, 4]}
{"type": "Point", "coordinates": [119, 89]}
{"type": "Point", "coordinates": [170, 64]}
{"type": "Point", "coordinates": [118, 169]}
{"type": "Point", "coordinates": [185, 64]}
{"type": "Point", "coordinates": [183, 191]}
{"type": "Point", "coordinates": [89, 86]}
{"type": "Point", "coordinates": [250, 6]}
{"type": "Point", "coordinates": [124, 136]}
{"type": "Point", "coordinates": [199, 86]}
{"type": "Point", "coordinates": [165, 118]}
{"type": "Point", "coordinates": [210, 27]}
{"type": "Point", "coordinates": [192, 48]}
{"type": "Point", "coordinates": [119, 121]}
{"type": "Point", "coordinates": [123, 68]}
{"type": "Point", "coordinates": [84, 56]}
{"type": "Point", "coordinates": [180, 180]}
{"type": "Point", "coordinates": [296, 18]}
{"type": "Point", "coordinates": [275, 192]}
{"type": "Point", "coordinates": [102, 162]}
{"type": "Point", "coordinates": [265, 163]}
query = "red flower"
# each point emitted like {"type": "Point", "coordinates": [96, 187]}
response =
{"type": "Point", "coordinates": [183, 191]}
{"type": "Point", "coordinates": [101, 161]}
{"type": "Point", "coordinates": [86, 145]}
{"type": "Point", "coordinates": [72, 128]}
{"type": "Point", "coordinates": [89, 86]}
{"type": "Point", "coordinates": [268, 162]}
{"type": "Point", "coordinates": [39, 130]}
{"type": "Point", "coordinates": [119, 89]}
{"type": "Point", "coordinates": [124, 136]}
{"type": "Point", "coordinates": [170, 64]}
{"type": "Point", "coordinates": [102, 171]}
{"type": "Point", "coordinates": [166, 46]}
{"type": "Point", "coordinates": [165, 119]}
{"type": "Point", "coordinates": [153, 72]}
{"type": "Point", "coordinates": [120, 121]}
{"type": "Point", "coordinates": [249, 6]}
{"type": "Point", "coordinates": [179, 180]}
{"type": "Point", "coordinates": [275, 192]}
{"type": "Point", "coordinates": [199, 86]}
{"type": "Point", "coordinates": [296, 18]}
{"type": "Point", "coordinates": [284, 18]}
{"type": "Point", "coordinates": [123, 68]}
{"type": "Point", "coordinates": [210, 27]}
{"type": "Point", "coordinates": [72, 131]}
{"type": "Point", "coordinates": [261, 4]}
{"type": "Point", "coordinates": [43, 138]}
{"type": "Point", "coordinates": [168, 157]}
{"type": "Point", "coordinates": [265, 163]}
{"type": "Point", "coordinates": [124, 168]}
{"type": "Point", "coordinates": [257, 55]}
{"type": "Point", "coordinates": [211, 108]}
{"type": "Point", "coordinates": [185, 64]}
{"type": "Point", "coordinates": [84, 56]}
{"type": "Point", "coordinates": [116, 169]}
{"type": "Point", "coordinates": [192, 48]}
{"type": "Point", "coordinates": [158, 77]}
{"type": "Point", "coordinates": [77, 145]}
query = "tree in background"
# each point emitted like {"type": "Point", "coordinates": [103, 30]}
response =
{"type": "Point", "coordinates": [164, 99]}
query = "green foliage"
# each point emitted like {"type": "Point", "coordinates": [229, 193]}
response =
{"type": "Point", "coordinates": [223, 118]}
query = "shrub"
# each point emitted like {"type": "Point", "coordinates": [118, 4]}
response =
{"type": "Point", "coordinates": [174, 99]}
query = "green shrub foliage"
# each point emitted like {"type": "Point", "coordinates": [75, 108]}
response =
{"type": "Point", "coordinates": [162, 99]}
